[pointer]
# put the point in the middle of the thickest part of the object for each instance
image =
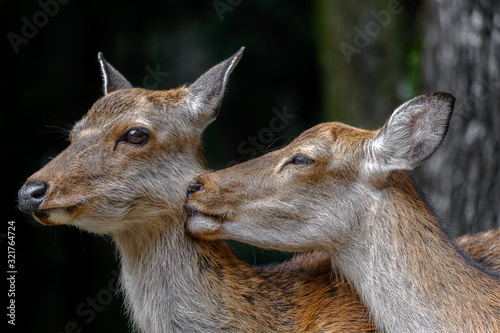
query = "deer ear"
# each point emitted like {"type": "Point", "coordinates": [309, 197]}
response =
{"type": "Point", "coordinates": [412, 133]}
{"type": "Point", "coordinates": [207, 91]}
{"type": "Point", "coordinates": [112, 79]}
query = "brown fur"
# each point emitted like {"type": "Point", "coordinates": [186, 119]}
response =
{"type": "Point", "coordinates": [483, 247]}
{"type": "Point", "coordinates": [355, 200]}
{"type": "Point", "coordinates": [171, 281]}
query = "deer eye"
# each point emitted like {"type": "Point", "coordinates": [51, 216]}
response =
{"type": "Point", "coordinates": [301, 160]}
{"type": "Point", "coordinates": [135, 136]}
{"type": "Point", "coordinates": [298, 160]}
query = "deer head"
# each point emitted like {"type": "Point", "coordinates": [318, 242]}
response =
{"type": "Point", "coordinates": [316, 190]}
{"type": "Point", "coordinates": [118, 167]}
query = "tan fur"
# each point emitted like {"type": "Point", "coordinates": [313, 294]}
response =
{"type": "Point", "coordinates": [355, 200]}
{"type": "Point", "coordinates": [171, 281]}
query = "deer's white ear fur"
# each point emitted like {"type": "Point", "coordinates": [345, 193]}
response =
{"type": "Point", "coordinates": [112, 79]}
{"type": "Point", "coordinates": [412, 133]}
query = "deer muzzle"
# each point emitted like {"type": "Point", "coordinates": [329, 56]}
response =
{"type": "Point", "coordinates": [32, 195]}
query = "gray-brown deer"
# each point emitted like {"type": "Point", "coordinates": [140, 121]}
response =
{"type": "Point", "coordinates": [347, 191]}
{"type": "Point", "coordinates": [125, 173]}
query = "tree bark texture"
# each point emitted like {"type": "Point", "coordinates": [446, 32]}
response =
{"type": "Point", "coordinates": [462, 56]}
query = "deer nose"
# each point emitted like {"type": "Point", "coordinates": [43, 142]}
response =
{"type": "Point", "coordinates": [32, 195]}
{"type": "Point", "coordinates": [193, 188]}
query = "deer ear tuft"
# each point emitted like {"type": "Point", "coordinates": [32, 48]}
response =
{"type": "Point", "coordinates": [112, 79]}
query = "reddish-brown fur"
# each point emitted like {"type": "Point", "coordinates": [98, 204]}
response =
{"type": "Point", "coordinates": [346, 191]}
{"type": "Point", "coordinates": [135, 193]}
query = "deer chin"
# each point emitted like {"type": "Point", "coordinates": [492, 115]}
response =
{"type": "Point", "coordinates": [57, 215]}
{"type": "Point", "coordinates": [54, 216]}
{"type": "Point", "coordinates": [203, 226]}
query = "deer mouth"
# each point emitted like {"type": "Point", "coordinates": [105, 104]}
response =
{"type": "Point", "coordinates": [203, 225]}
{"type": "Point", "coordinates": [56, 215]}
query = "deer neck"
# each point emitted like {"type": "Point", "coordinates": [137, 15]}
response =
{"type": "Point", "coordinates": [165, 274]}
{"type": "Point", "coordinates": [409, 273]}
{"type": "Point", "coordinates": [165, 288]}
{"type": "Point", "coordinates": [175, 283]}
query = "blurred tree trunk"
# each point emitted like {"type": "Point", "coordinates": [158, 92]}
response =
{"type": "Point", "coordinates": [462, 56]}
{"type": "Point", "coordinates": [369, 53]}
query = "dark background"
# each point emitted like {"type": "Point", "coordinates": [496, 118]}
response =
{"type": "Point", "coordinates": [293, 61]}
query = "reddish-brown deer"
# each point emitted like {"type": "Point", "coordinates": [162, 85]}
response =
{"type": "Point", "coordinates": [483, 248]}
{"type": "Point", "coordinates": [125, 173]}
{"type": "Point", "coordinates": [347, 191]}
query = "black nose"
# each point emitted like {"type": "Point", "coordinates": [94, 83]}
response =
{"type": "Point", "coordinates": [193, 188]}
{"type": "Point", "coordinates": [32, 195]}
